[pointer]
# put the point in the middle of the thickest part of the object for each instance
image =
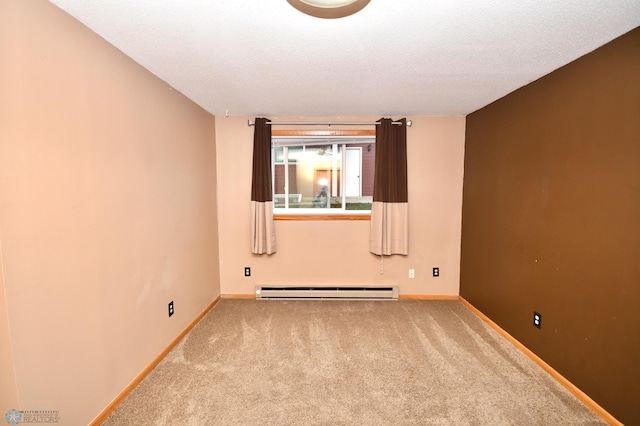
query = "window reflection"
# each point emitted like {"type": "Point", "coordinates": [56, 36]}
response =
{"type": "Point", "coordinates": [313, 177]}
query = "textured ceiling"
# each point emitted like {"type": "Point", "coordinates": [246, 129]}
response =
{"type": "Point", "coordinates": [395, 58]}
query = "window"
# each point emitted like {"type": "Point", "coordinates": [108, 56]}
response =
{"type": "Point", "coordinates": [323, 174]}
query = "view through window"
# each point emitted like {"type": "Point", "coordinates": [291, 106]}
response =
{"type": "Point", "coordinates": [314, 174]}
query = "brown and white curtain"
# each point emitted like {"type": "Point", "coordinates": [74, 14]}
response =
{"type": "Point", "coordinates": [263, 234]}
{"type": "Point", "coordinates": [389, 232]}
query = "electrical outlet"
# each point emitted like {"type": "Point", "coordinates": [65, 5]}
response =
{"type": "Point", "coordinates": [247, 271]}
{"type": "Point", "coordinates": [171, 308]}
{"type": "Point", "coordinates": [436, 272]}
{"type": "Point", "coordinates": [412, 273]}
{"type": "Point", "coordinates": [537, 319]}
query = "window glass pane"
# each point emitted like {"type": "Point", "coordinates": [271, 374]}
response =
{"type": "Point", "coordinates": [278, 155]}
{"type": "Point", "coordinates": [359, 167]}
{"type": "Point", "coordinates": [294, 158]}
{"type": "Point", "coordinates": [335, 175]}
{"type": "Point", "coordinates": [314, 177]}
{"type": "Point", "coordinates": [295, 152]}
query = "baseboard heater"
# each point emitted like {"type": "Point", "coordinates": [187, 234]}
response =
{"type": "Point", "coordinates": [326, 293]}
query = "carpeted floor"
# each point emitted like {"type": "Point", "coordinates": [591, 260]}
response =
{"type": "Point", "coordinates": [347, 363]}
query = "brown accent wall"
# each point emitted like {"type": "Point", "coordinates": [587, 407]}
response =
{"type": "Point", "coordinates": [551, 220]}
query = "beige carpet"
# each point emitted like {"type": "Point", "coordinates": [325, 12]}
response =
{"type": "Point", "coordinates": [347, 363]}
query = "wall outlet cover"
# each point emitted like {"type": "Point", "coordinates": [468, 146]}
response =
{"type": "Point", "coordinates": [537, 319]}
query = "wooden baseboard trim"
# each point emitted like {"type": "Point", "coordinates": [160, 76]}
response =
{"type": "Point", "coordinates": [238, 296]}
{"type": "Point", "coordinates": [594, 406]}
{"type": "Point", "coordinates": [136, 381]}
{"type": "Point", "coordinates": [426, 297]}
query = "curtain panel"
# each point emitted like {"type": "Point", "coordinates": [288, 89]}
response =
{"type": "Point", "coordinates": [263, 234]}
{"type": "Point", "coordinates": [389, 232]}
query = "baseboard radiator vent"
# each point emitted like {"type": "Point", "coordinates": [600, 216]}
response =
{"type": "Point", "coordinates": [326, 293]}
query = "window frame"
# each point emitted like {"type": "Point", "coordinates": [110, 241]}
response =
{"type": "Point", "coordinates": [337, 215]}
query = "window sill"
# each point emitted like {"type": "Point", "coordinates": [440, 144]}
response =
{"type": "Point", "coordinates": [280, 216]}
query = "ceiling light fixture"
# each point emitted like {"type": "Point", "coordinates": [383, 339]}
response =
{"type": "Point", "coordinates": [329, 9]}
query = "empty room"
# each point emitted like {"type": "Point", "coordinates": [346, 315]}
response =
{"type": "Point", "coordinates": [319, 212]}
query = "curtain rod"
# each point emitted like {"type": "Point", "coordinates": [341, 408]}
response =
{"type": "Point", "coordinates": [323, 123]}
